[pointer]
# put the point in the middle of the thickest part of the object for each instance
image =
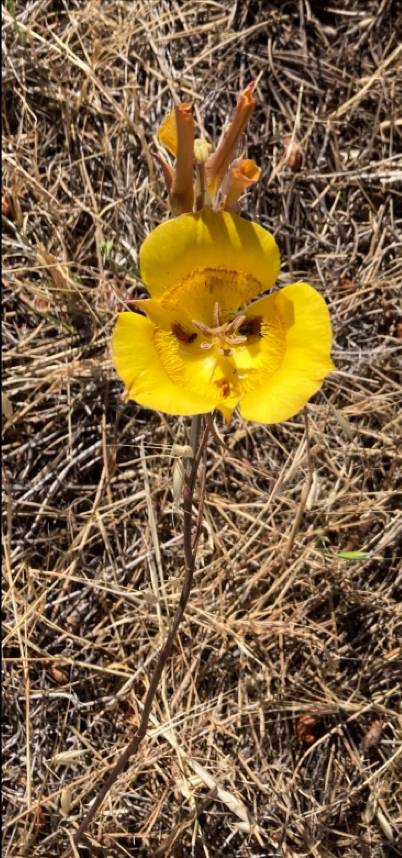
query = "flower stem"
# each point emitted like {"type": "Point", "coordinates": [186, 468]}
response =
{"type": "Point", "coordinates": [198, 445]}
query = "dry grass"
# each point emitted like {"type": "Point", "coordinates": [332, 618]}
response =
{"type": "Point", "coordinates": [279, 626]}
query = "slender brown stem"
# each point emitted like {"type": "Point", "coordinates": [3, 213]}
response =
{"type": "Point", "coordinates": [198, 447]}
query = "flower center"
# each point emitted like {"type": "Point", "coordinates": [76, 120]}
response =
{"type": "Point", "coordinates": [207, 341]}
{"type": "Point", "coordinates": [209, 317]}
{"type": "Point", "coordinates": [222, 335]}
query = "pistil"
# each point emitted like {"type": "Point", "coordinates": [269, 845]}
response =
{"type": "Point", "coordinates": [221, 335]}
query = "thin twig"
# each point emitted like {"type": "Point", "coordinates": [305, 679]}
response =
{"type": "Point", "coordinates": [218, 438]}
{"type": "Point", "coordinates": [200, 808]}
{"type": "Point", "coordinates": [189, 560]}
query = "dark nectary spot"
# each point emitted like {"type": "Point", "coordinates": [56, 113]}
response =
{"type": "Point", "coordinates": [251, 327]}
{"type": "Point", "coordinates": [182, 335]}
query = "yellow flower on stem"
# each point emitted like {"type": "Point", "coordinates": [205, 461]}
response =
{"type": "Point", "coordinates": [204, 340]}
{"type": "Point", "coordinates": [204, 343]}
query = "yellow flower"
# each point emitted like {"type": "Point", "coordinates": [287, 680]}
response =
{"type": "Point", "coordinates": [204, 344]}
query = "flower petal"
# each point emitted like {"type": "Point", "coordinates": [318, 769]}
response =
{"type": "Point", "coordinates": [207, 239]}
{"type": "Point", "coordinates": [306, 361]}
{"type": "Point", "coordinates": [190, 368]}
{"type": "Point", "coordinates": [196, 296]}
{"type": "Point", "coordinates": [138, 364]}
{"type": "Point", "coordinates": [165, 315]}
{"type": "Point", "coordinates": [167, 134]}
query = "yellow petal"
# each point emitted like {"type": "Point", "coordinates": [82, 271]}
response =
{"type": "Point", "coordinates": [196, 296]}
{"type": "Point", "coordinates": [203, 372]}
{"type": "Point", "coordinates": [167, 134]}
{"type": "Point", "coordinates": [138, 364]}
{"type": "Point", "coordinates": [164, 315]}
{"type": "Point", "coordinates": [207, 239]}
{"type": "Point", "coordinates": [262, 354]}
{"type": "Point", "coordinates": [306, 342]}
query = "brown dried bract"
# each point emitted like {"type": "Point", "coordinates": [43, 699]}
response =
{"type": "Point", "coordinates": [293, 153]}
{"type": "Point", "coordinates": [6, 207]}
{"type": "Point", "coordinates": [373, 734]}
{"type": "Point", "coordinates": [305, 728]}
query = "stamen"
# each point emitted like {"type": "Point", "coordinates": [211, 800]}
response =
{"type": "Point", "coordinates": [235, 324]}
{"type": "Point", "coordinates": [225, 335]}
{"type": "Point", "coordinates": [236, 341]}
{"type": "Point", "coordinates": [202, 327]}
{"type": "Point", "coordinates": [217, 316]}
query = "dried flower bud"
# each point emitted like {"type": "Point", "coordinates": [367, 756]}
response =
{"type": "Point", "coordinates": [346, 283]}
{"type": "Point", "coordinates": [219, 161]}
{"type": "Point", "coordinates": [373, 734]}
{"type": "Point", "coordinates": [182, 193]}
{"type": "Point", "coordinates": [182, 450]}
{"type": "Point", "coordinates": [65, 800]}
{"type": "Point", "coordinates": [293, 153]}
{"type": "Point", "coordinates": [6, 206]}
{"type": "Point", "coordinates": [201, 150]}
{"type": "Point", "coordinates": [305, 728]}
{"type": "Point", "coordinates": [243, 173]}
{"type": "Point", "coordinates": [178, 476]}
